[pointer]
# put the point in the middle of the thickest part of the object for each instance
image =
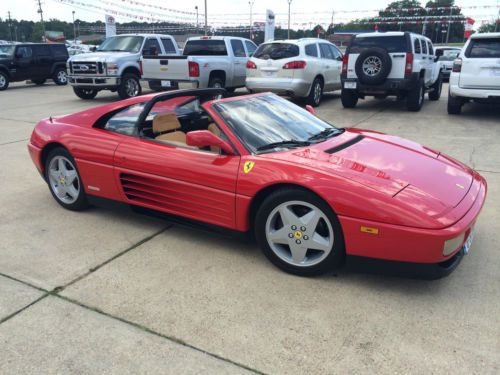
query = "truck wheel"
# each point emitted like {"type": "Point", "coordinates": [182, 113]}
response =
{"type": "Point", "coordinates": [38, 81]}
{"type": "Point", "coordinates": [435, 94]}
{"type": "Point", "coordinates": [415, 98]}
{"type": "Point", "coordinates": [129, 86]}
{"type": "Point", "coordinates": [454, 105]}
{"type": "Point", "coordinates": [315, 94]}
{"type": "Point", "coordinates": [60, 78]}
{"type": "Point", "coordinates": [349, 98]}
{"type": "Point", "coordinates": [85, 93]}
{"type": "Point", "coordinates": [216, 83]}
{"type": "Point", "coordinates": [4, 81]}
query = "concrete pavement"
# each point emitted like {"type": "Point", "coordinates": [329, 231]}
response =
{"type": "Point", "coordinates": [105, 291]}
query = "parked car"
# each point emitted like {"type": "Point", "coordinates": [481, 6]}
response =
{"type": "Point", "coordinates": [303, 68]}
{"type": "Point", "coordinates": [116, 66]}
{"type": "Point", "coordinates": [311, 192]}
{"type": "Point", "coordinates": [35, 61]}
{"type": "Point", "coordinates": [446, 60]}
{"type": "Point", "coordinates": [207, 61]}
{"type": "Point", "coordinates": [395, 63]}
{"type": "Point", "coordinates": [476, 72]}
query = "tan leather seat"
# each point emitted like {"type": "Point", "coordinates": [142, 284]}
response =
{"type": "Point", "coordinates": [215, 130]}
{"type": "Point", "coordinates": [166, 125]}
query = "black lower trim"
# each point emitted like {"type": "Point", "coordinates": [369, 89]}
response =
{"type": "Point", "coordinates": [344, 145]}
{"type": "Point", "coordinates": [388, 87]}
{"type": "Point", "coordinates": [426, 271]}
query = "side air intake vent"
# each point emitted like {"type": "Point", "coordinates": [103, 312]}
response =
{"type": "Point", "coordinates": [344, 145]}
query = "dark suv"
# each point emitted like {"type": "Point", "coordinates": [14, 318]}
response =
{"type": "Point", "coordinates": [35, 62]}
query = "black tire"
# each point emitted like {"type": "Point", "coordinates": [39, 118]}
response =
{"type": "Point", "coordinates": [337, 253]}
{"type": "Point", "coordinates": [216, 82]}
{"type": "Point", "coordinates": [4, 81]}
{"type": "Point", "coordinates": [315, 93]}
{"type": "Point", "coordinates": [86, 94]}
{"type": "Point", "coordinates": [129, 86]}
{"type": "Point", "coordinates": [81, 202]}
{"type": "Point", "coordinates": [437, 87]}
{"type": "Point", "coordinates": [155, 86]}
{"type": "Point", "coordinates": [454, 105]}
{"type": "Point", "coordinates": [38, 82]}
{"type": "Point", "coordinates": [384, 68]}
{"type": "Point", "coordinates": [349, 98]}
{"type": "Point", "coordinates": [415, 98]}
{"type": "Point", "coordinates": [60, 77]}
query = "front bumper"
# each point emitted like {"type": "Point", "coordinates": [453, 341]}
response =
{"type": "Point", "coordinates": [283, 86]}
{"type": "Point", "coordinates": [414, 245]}
{"type": "Point", "coordinates": [93, 81]}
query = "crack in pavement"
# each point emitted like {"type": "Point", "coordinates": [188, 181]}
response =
{"type": "Point", "coordinates": [17, 120]}
{"type": "Point", "coordinates": [368, 117]}
{"type": "Point", "coordinates": [55, 293]}
{"type": "Point", "coordinates": [11, 142]}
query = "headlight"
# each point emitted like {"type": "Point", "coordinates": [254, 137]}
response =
{"type": "Point", "coordinates": [111, 69]}
{"type": "Point", "coordinates": [451, 245]}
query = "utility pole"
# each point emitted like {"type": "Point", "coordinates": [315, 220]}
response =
{"type": "Point", "coordinates": [74, 28]}
{"type": "Point", "coordinates": [41, 18]}
{"type": "Point", "coordinates": [206, 19]}
{"type": "Point", "coordinates": [10, 27]}
{"type": "Point", "coordinates": [498, 18]}
{"type": "Point", "coordinates": [251, 25]}
{"type": "Point", "coordinates": [289, 4]}
{"type": "Point", "coordinates": [449, 25]}
{"type": "Point", "coordinates": [197, 24]}
{"type": "Point", "coordinates": [400, 10]}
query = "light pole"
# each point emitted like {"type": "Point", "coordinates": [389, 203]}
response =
{"type": "Point", "coordinates": [74, 28]}
{"type": "Point", "coordinates": [197, 24]}
{"type": "Point", "coordinates": [41, 19]}
{"type": "Point", "coordinates": [251, 25]}
{"type": "Point", "coordinates": [449, 26]}
{"type": "Point", "coordinates": [289, 4]}
{"type": "Point", "coordinates": [206, 19]}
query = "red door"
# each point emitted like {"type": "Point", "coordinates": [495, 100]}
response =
{"type": "Point", "coordinates": [192, 183]}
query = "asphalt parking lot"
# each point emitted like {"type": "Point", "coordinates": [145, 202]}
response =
{"type": "Point", "coordinates": [107, 291]}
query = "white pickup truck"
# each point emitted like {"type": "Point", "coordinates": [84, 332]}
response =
{"type": "Point", "coordinates": [208, 61]}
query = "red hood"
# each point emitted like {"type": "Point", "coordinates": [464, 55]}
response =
{"type": "Point", "coordinates": [416, 175]}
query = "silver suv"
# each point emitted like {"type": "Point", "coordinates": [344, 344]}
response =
{"type": "Point", "coordinates": [302, 68]}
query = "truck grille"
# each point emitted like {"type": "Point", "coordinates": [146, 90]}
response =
{"type": "Point", "coordinates": [86, 67]}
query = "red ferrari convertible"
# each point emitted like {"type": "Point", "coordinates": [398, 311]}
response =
{"type": "Point", "coordinates": [312, 193]}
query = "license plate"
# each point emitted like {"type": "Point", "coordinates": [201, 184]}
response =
{"type": "Point", "coordinates": [349, 85]}
{"type": "Point", "coordinates": [269, 74]}
{"type": "Point", "coordinates": [166, 84]}
{"type": "Point", "coordinates": [468, 242]}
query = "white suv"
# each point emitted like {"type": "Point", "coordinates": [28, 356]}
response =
{"type": "Point", "coordinates": [476, 72]}
{"type": "Point", "coordinates": [300, 68]}
{"type": "Point", "coordinates": [393, 63]}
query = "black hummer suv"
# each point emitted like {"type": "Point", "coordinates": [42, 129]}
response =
{"type": "Point", "coordinates": [36, 62]}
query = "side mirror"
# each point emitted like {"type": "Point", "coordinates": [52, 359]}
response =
{"type": "Point", "coordinates": [311, 110]}
{"type": "Point", "coordinates": [205, 138]}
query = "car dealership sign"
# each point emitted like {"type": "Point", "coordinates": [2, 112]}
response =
{"type": "Point", "coordinates": [110, 26]}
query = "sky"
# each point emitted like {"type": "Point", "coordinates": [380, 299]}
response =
{"type": "Point", "coordinates": [222, 12]}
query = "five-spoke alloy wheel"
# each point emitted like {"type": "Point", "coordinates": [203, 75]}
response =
{"type": "Point", "coordinates": [299, 232]}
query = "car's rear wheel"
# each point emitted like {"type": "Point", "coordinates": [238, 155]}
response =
{"type": "Point", "coordinates": [454, 105]}
{"type": "Point", "coordinates": [64, 181]}
{"type": "Point", "coordinates": [86, 94]}
{"type": "Point", "coordinates": [299, 233]}
{"type": "Point", "coordinates": [349, 98]}
{"type": "Point", "coordinates": [316, 93]}
{"type": "Point", "coordinates": [129, 86]}
{"type": "Point", "coordinates": [437, 87]}
{"type": "Point", "coordinates": [38, 81]}
{"type": "Point", "coordinates": [60, 78]}
{"type": "Point", "coordinates": [4, 81]}
{"type": "Point", "coordinates": [415, 98]}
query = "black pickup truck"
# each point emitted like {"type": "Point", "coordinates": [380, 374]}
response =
{"type": "Point", "coordinates": [34, 61]}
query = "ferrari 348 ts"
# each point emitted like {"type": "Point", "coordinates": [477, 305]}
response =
{"type": "Point", "coordinates": [311, 193]}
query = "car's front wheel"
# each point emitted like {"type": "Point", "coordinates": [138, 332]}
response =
{"type": "Point", "coordinates": [415, 98]}
{"type": "Point", "coordinates": [64, 180]}
{"type": "Point", "coordinates": [86, 94]}
{"type": "Point", "coordinates": [299, 233]}
{"type": "Point", "coordinates": [129, 87]}
{"type": "Point", "coordinates": [437, 87]}
{"type": "Point", "coordinates": [60, 78]}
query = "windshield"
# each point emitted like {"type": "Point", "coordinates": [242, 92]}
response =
{"type": "Point", "coordinates": [396, 43]}
{"type": "Point", "coordinates": [7, 50]}
{"type": "Point", "coordinates": [484, 48]}
{"type": "Point", "coordinates": [205, 47]}
{"type": "Point", "coordinates": [276, 51]}
{"type": "Point", "coordinates": [122, 44]}
{"type": "Point", "coordinates": [267, 119]}
{"type": "Point", "coordinates": [449, 55]}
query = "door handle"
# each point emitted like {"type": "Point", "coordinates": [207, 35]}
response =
{"type": "Point", "coordinates": [163, 62]}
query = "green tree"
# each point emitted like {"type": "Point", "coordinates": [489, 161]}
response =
{"type": "Point", "coordinates": [489, 27]}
